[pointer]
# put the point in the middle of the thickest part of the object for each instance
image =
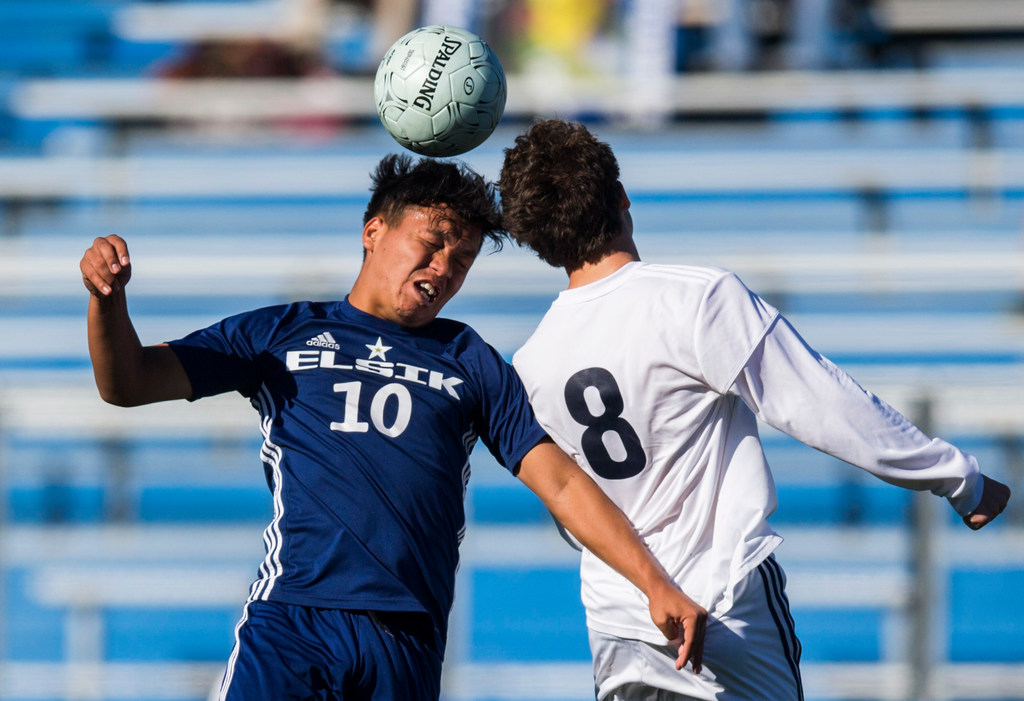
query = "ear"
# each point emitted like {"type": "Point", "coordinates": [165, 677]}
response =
{"type": "Point", "coordinates": [372, 231]}
{"type": "Point", "coordinates": [623, 197]}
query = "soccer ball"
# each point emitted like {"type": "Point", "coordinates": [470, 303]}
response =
{"type": "Point", "coordinates": [440, 91]}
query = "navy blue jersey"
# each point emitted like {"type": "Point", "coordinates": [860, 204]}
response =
{"type": "Point", "coordinates": [367, 429]}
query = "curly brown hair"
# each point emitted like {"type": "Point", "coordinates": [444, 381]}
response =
{"type": "Point", "coordinates": [560, 193]}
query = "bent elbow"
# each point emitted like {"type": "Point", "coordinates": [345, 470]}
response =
{"type": "Point", "coordinates": [116, 400]}
{"type": "Point", "coordinates": [119, 398]}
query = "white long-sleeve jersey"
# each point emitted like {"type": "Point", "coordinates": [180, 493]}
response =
{"type": "Point", "coordinates": [653, 379]}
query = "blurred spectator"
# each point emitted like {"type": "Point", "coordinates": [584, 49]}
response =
{"type": "Point", "coordinates": [864, 41]}
{"type": "Point", "coordinates": [390, 20]}
{"type": "Point", "coordinates": [559, 32]}
{"type": "Point", "coordinates": [549, 37]}
{"type": "Point", "coordinates": [292, 48]}
{"type": "Point", "coordinates": [250, 59]}
{"type": "Point", "coordinates": [695, 21]}
{"type": "Point", "coordinates": [750, 34]}
{"type": "Point", "coordinates": [244, 58]}
{"type": "Point", "coordinates": [812, 35]}
{"type": "Point", "coordinates": [460, 13]}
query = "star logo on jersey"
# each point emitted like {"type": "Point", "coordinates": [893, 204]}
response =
{"type": "Point", "coordinates": [378, 349]}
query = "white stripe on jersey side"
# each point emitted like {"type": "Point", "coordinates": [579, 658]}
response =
{"type": "Point", "coordinates": [468, 441]}
{"type": "Point", "coordinates": [271, 454]}
{"type": "Point", "coordinates": [270, 569]}
{"type": "Point", "coordinates": [229, 672]}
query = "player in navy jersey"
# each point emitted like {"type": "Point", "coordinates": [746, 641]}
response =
{"type": "Point", "coordinates": [662, 372]}
{"type": "Point", "coordinates": [369, 408]}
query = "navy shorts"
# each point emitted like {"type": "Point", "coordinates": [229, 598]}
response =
{"type": "Point", "coordinates": [286, 652]}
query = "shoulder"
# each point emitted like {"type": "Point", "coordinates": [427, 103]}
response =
{"type": "Point", "coordinates": [290, 310]}
{"type": "Point", "coordinates": [690, 275]}
{"type": "Point", "coordinates": [464, 346]}
{"type": "Point", "coordinates": [283, 314]}
{"type": "Point", "coordinates": [456, 337]}
{"type": "Point", "coordinates": [671, 285]}
{"type": "Point", "coordinates": [300, 310]}
{"type": "Point", "coordinates": [707, 281]}
{"type": "Point", "coordinates": [444, 328]}
{"type": "Point", "coordinates": [259, 327]}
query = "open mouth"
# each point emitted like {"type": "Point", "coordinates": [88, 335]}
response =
{"type": "Point", "coordinates": [427, 291]}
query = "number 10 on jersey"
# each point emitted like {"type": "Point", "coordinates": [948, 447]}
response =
{"type": "Point", "coordinates": [351, 422]}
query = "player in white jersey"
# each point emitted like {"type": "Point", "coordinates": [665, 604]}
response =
{"type": "Point", "coordinates": [653, 378]}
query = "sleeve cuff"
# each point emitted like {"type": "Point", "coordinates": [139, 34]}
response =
{"type": "Point", "coordinates": [967, 499]}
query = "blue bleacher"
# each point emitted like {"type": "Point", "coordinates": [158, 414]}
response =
{"type": "Point", "coordinates": [134, 635]}
{"type": "Point", "coordinates": [31, 632]}
{"type": "Point", "coordinates": [832, 635]}
{"type": "Point", "coordinates": [518, 610]}
{"type": "Point", "coordinates": [527, 616]}
{"type": "Point", "coordinates": [813, 489]}
{"type": "Point", "coordinates": [984, 624]}
{"type": "Point", "coordinates": [54, 37]}
{"type": "Point", "coordinates": [67, 38]}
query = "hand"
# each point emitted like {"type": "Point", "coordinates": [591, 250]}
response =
{"type": "Point", "coordinates": [106, 267]}
{"type": "Point", "coordinates": [994, 496]}
{"type": "Point", "coordinates": [682, 621]}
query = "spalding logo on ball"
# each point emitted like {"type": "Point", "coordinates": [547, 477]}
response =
{"type": "Point", "coordinates": [440, 91]}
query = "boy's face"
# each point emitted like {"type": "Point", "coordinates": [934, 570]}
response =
{"type": "Point", "coordinates": [414, 265]}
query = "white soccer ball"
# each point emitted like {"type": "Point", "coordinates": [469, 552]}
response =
{"type": "Point", "coordinates": [440, 91]}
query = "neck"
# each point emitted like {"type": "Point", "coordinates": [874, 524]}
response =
{"type": "Point", "coordinates": [621, 251]}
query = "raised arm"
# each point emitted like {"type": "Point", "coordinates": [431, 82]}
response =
{"type": "Point", "coordinates": [576, 501]}
{"type": "Point", "coordinates": [796, 390]}
{"type": "Point", "coordinates": [127, 373]}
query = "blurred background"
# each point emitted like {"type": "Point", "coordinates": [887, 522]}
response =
{"type": "Point", "coordinates": [857, 162]}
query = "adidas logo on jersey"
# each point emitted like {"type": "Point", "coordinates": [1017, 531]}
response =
{"type": "Point", "coordinates": [324, 340]}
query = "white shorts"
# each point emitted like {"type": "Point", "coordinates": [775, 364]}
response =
{"type": "Point", "coordinates": [751, 653]}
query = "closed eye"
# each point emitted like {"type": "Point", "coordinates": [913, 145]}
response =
{"type": "Point", "coordinates": [432, 243]}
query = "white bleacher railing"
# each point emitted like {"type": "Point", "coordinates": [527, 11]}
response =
{"type": "Point", "coordinates": [123, 100]}
{"type": "Point", "coordinates": [765, 172]}
{"type": "Point", "coordinates": [164, 266]}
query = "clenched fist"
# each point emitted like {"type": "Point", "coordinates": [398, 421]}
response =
{"type": "Point", "coordinates": [106, 267]}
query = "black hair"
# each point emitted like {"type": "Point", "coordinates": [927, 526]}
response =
{"type": "Point", "coordinates": [399, 182]}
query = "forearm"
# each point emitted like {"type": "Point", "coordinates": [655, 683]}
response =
{"type": "Point", "coordinates": [114, 348]}
{"type": "Point", "coordinates": [802, 394]}
{"type": "Point", "coordinates": [586, 512]}
{"type": "Point", "coordinates": [579, 504]}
